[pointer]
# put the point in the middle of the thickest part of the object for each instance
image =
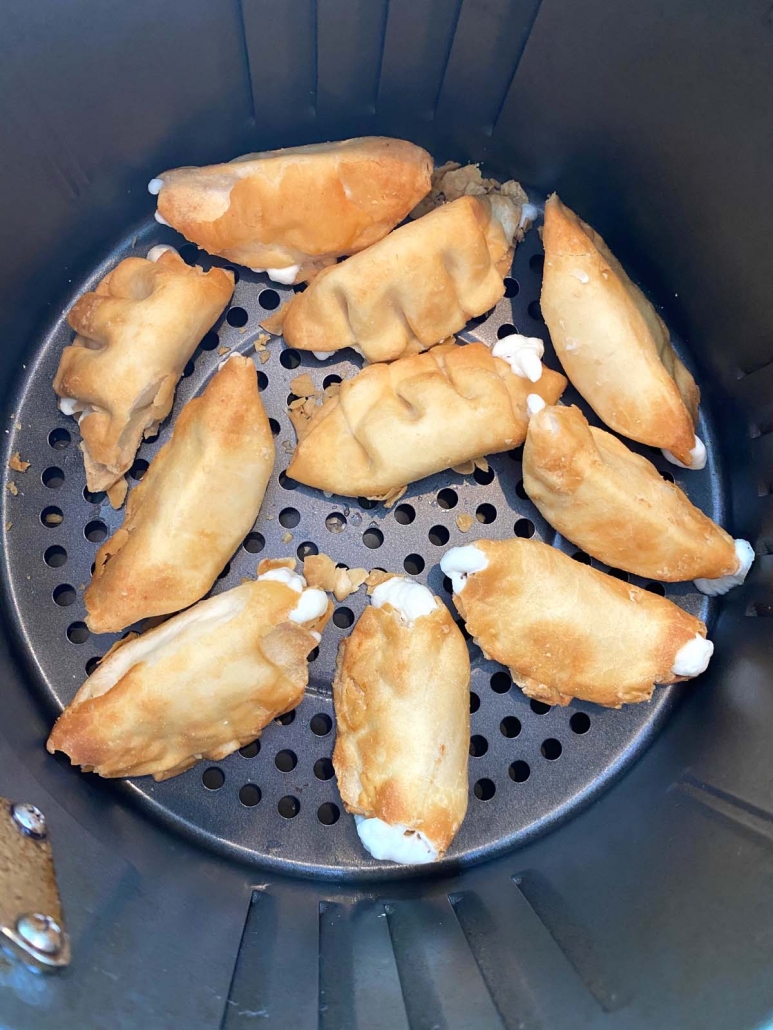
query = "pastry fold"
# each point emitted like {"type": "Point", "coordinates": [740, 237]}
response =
{"type": "Point", "coordinates": [401, 694]}
{"type": "Point", "coordinates": [136, 332]}
{"type": "Point", "coordinates": [194, 506]}
{"type": "Point", "coordinates": [615, 505]}
{"type": "Point", "coordinates": [612, 343]}
{"type": "Point", "coordinates": [412, 290]}
{"type": "Point", "coordinates": [566, 630]}
{"type": "Point", "coordinates": [292, 212]}
{"type": "Point", "coordinates": [392, 424]}
{"type": "Point", "coordinates": [199, 686]}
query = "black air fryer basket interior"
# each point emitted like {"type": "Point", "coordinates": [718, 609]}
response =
{"type": "Point", "coordinates": [614, 869]}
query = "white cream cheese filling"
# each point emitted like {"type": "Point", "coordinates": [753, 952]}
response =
{"type": "Point", "coordinates": [693, 657]}
{"type": "Point", "coordinates": [410, 600]}
{"type": "Point", "coordinates": [155, 252]}
{"type": "Point", "coordinates": [312, 602]}
{"type": "Point", "coordinates": [534, 404]}
{"type": "Point", "coordinates": [697, 456]}
{"type": "Point", "coordinates": [394, 843]}
{"type": "Point", "coordinates": [522, 353]}
{"type": "Point", "coordinates": [461, 562]}
{"type": "Point", "coordinates": [322, 355]}
{"type": "Point", "coordinates": [713, 587]}
{"type": "Point", "coordinates": [529, 213]}
{"type": "Point", "coordinates": [285, 276]}
{"type": "Point", "coordinates": [160, 218]}
{"type": "Point", "coordinates": [155, 186]}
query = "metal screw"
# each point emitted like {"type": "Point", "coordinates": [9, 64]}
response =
{"type": "Point", "coordinates": [30, 821]}
{"type": "Point", "coordinates": [41, 932]}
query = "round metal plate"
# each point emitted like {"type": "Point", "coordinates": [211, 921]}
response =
{"type": "Point", "coordinates": [276, 802]}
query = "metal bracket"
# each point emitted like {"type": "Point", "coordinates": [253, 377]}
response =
{"type": "Point", "coordinates": [31, 923]}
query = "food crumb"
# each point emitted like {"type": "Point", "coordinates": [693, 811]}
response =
{"type": "Point", "coordinates": [17, 463]}
{"type": "Point", "coordinates": [8, 525]}
{"type": "Point", "coordinates": [288, 446]}
{"type": "Point", "coordinates": [302, 386]}
{"type": "Point", "coordinates": [465, 522]}
{"type": "Point", "coordinates": [466, 468]}
{"type": "Point", "coordinates": [286, 538]}
{"type": "Point", "coordinates": [13, 488]}
{"type": "Point", "coordinates": [222, 349]}
{"type": "Point", "coordinates": [17, 425]}
{"type": "Point", "coordinates": [264, 356]}
{"type": "Point", "coordinates": [262, 341]}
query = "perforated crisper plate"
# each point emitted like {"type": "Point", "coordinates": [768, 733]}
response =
{"type": "Point", "coordinates": [276, 802]}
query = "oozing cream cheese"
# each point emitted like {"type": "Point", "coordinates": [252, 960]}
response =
{"type": "Point", "coordinates": [160, 218]}
{"type": "Point", "coordinates": [312, 602]}
{"type": "Point", "coordinates": [155, 252]}
{"type": "Point", "coordinates": [461, 562]}
{"type": "Point", "coordinates": [394, 843]}
{"type": "Point", "coordinates": [534, 404]}
{"type": "Point", "coordinates": [286, 276]}
{"type": "Point", "coordinates": [697, 456]}
{"type": "Point", "coordinates": [522, 353]}
{"type": "Point", "coordinates": [321, 355]}
{"type": "Point", "coordinates": [410, 600]}
{"type": "Point", "coordinates": [155, 186]}
{"type": "Point", "coordinates": [713, 587]}
{"type": "Point", "coordinates": [693, 657]}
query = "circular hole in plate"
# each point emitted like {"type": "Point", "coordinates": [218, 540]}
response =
{"type": "Point", "coordinates": [343, 618]}
{"type": "Point", "coordinates": [331, 380]}
{"type": "Point", "coordinates": [524, 528]}
{"type": "Point", "coordinates": [59, 438]}
{"type": "Point", "coordinates": [519, 771]}
{"type": "Point", "coordinates": [484, 790]}
{"type": "Point", "coordinates": [551, 749]}
{"type": "Point", "coordinates": [92, 664]}
{"type": "Point", "coordinates": [289, 518]}
{"type": "Point", "coordinates": [668, 476]}
{"type": "Point", "coordinates": [335, 522]}
{"type": "Point", "coordinates": [501, 682]}
{"type": "Point", "coordinates": [55, 557]}
{"type": "Point", "coordinates": [512, 286]}
{"type": "Point", "coordinates": [139, 468]}
{"type": "Point", "coordinates": [189, 369]}
{"type": "Point", "coordinates": [254, 543]}
{"type": "Point", "coordinates": [286, 761]}
{"type": "Point", "coordinates": [52, 477]}
{"type": "Point", "coordinates": [520, 489]}
{"type": "Point", "coordinates": [582, 557]}
{"type": "Point", "coordinates": [413, 564]}
{"type": "Point", "coordinates": [537, 263]}
{"type": "Point", "coordinates": [486, 513]}
{"type": "Point", "coordinates": [373, 538]}
{"type": "Point", "coordinates": [64, 595]}
{"type": "Point", "coordinates": [478, 746]}
{"type": "Point", "coordinates": [438, 536]}
{"type": "Point", "coordinates": [367, 503]}
{"type": "Point", "coordinates": [262, 381]}
{"type": "Point", "coordinates": [289, 358]}
{"type": "Point", "coordinates": [580, 722]}
{"type": "Point", "coordinates": [506, 329]}
{"type": "Point", "coordinates": [213, 778]}
{"type": "Point", "coordinates": [268, 299]}
{"type": "Point", "coordinates": [405, 514]}
{"type": "Point", "coordinates": [328, 813]}
{"type": "Point", "coordinates": [516, 454]}
{"type": "Point", "coordinates": [474, 702]}
{"type": "Point", "coordinates": [535, 311]}
{"type": "Point", "coordinates": [237, 317]}
{"type": "Point", "coordinates": [448, 498]}
{"type": "Point", "coordinates": [483, 476]}
{"type": "Point", "coordinates": [286, 482]}
{"type": "Point", "coordinates": [510, 726]}
{"type": "Point", "coordinates": [539, 707]}
{"type": "Point", "coordinates": [448, 586]}
{"type": "Point", "coordinates": [52, 516]}
{"type": "Point", "coordinates": [250, 795]}
{"type": "Point", "coordinates": [210, 341]}
{"type": "Point", "coordinates": [656, 588]}
{"type": "Point", "coordinates": [78, 633]}
{"type": "Point", "coordinates": [225, 570]}
{"type": "Point", "coordinates": [323, 769]}
{"type": "Point", "coordinates": [188, 252]}
{"type": "Point", "coordinates": [93, 497]}
{"type": "Point", "coordinates": [321, 724]}
{"type": "Point", "coordinates": [95, 531]}
{"type": "Point", "coordinates": [276, 429]}
{"type": "Point", "coordinates": [250, 750]}
{"type": "Point", "coordinates": [619, 574]}
{"type": "Point", "coordinates": [307, 548]}
{"type": "Point", "coordinates": [313, 655]}
{"type": "Point", "coordinates": [289, 806]}
{"type": "Point", "coordinates": [286, 718]}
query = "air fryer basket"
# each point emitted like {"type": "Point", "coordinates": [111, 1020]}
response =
{"type": "Point", "coordinates": [614, 867]}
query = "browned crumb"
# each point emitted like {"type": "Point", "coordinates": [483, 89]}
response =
{"type": "Point", "coordinates": [262, 341]}
{"type": "Point", "coordinates": [13, 488]}
{"type": "Point", "coordinates": [268, 564]}
{"type": "Point", "coordinates": [8, 525]}
{"type": "Point", "coordinates": [222, 349]}
{"type": "Point", "coordinates": [54, 520]}
{"type": "Point", "coordinates": [297, 403]}
{"type": "Point", "coordinates": [452, 181]}
{"type": "Point", "coordinates": [17, 463]}
{"type": "Point", "coordinates": [264, 356]}
{"type": "Point", "coordinates": [117, 492]}
{"type": "Point", "coordinates": [320, 571]}
{"type": "Point", "coordinates": [465, 469]}
{"type": "Point", "coordinates": [302, 386]}
{"type": "Point", "coordinates": [288, 446]}
{"type": "Point", "coordinates": [481, 463]}
{"type": "Point", "coordinates": [465, 522]}
{"type": "Point", "coordinates": [287, 537]}
{"type": "Point", "coordinates": [17, 425]}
